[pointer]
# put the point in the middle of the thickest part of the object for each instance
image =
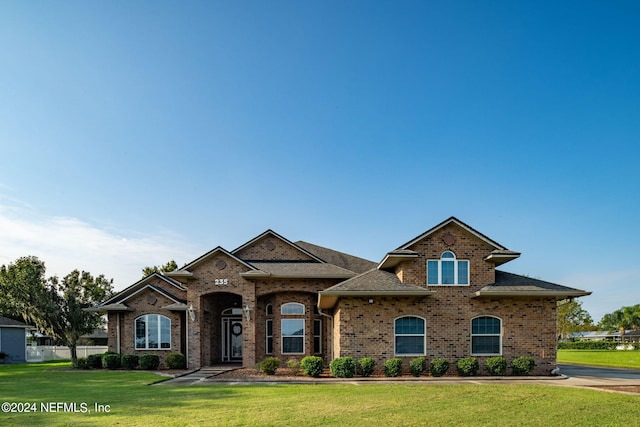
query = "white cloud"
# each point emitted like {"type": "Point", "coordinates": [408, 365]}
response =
{"type": "Point", "coordinates": [66, 243]}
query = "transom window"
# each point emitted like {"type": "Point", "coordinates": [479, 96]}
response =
{"type": "Point", "coordinates": [486, 336]}
{"type": "Point", "coordinates": [409, 336]}
{"type": "Point", "coordinates": [153, 331]}
{"type": "Point", "coordinates": [448, 270]}
{"type": "Point", "coordinates": [292, 308]}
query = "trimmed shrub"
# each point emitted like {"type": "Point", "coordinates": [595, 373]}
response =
{"type": "Point", "coordinates": [270, 365]}
{"type": "Point", "coordinates": [149, 361]}
{"type": "Point", "coordinates": [417, 366]}
{"type": "Point", "coordinates": [81, 363]}
{"type": "Point", "coordinates": [496, 365]}
{"type": "Point", "coordinates": [467, 366]}
{"type": "Point", "coordinates": [111, 360]}
{"type": "Point", "coordinates": [439, 366]}
{"type": "Point", "coordinates": [294, 366]}
{"type": "Point", "coordinates": [393, 367]}
{"type": "Point", "coordinates": [522, 365]}
{"type": "Point", "coordinates": [312, 366]}
{"type": "Point", "coordinates": [94, 361]}
{"type": "Point", "coordinates": [343, 367]}
{"type": "Point", "coordinates": [176, 361]}
{"type": "Point", "coordinates": [130, 361]}
{"type": "Point", "coordinates": [367, 366]}
{"type": "Point", "coordinates": [587, 345]}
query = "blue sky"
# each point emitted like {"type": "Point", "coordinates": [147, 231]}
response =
{"type": "Point", "coordinates": [132, 133]}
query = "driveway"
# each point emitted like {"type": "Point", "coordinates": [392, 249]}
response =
{"type": "Point", "coordinates": [593, 376]}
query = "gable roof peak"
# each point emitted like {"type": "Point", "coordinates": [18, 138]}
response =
{"type": "Point", "coordinates": [454, 220]}
{"type": "Point", "coordinates": [270, 232]}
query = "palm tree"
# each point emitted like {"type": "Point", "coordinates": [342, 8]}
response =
{"type": "Point", "coordinates": [622, 319]}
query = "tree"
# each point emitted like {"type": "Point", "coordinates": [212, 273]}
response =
{"type": "Point", "coordinates": [572, 318]}
{"type": "Point", "coordinates": [622, 319]}
{"type": "Point", "coordinates": [77, 292]}
{"type": "Point", "coordinates": [55, 308]}
{"type": "Point", "coordinates": [27, 295]}
{"type": "Point", "coordinates": [170, 266]}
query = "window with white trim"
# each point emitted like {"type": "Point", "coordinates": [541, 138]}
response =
{"type": "Point", "coordinates": [269, 327]}
{"type": "Point", "coordinates": [153, 331]}
{"type": "Point", "coordinates": [486, 336]}
{"type": "Point", "coordinates": [410, 337]}
{"type": "Point", "coordinates": [292, 336]}
{"type": "Point", "coordinates": [448, 270]}
{"type": "Point", "coordinates": [317, 336]}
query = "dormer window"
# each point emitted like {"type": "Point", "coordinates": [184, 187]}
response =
{"type": "Point", "coordinates": [448, 270]}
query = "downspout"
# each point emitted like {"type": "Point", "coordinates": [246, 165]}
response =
{"type": "Point", "coordinates": [118, 334]}
{"type": "Point", "coordinates": [330, 329]}
{"type": "Point", "coordinates": [186, 338]}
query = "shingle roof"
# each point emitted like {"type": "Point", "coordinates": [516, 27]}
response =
{"type": "Point", "coordinates": [509, 284]}
{"type": "Point", "coordinates": [299, 270]}
{"type": "Point", "coordinates": [6, 322]}
{"type": "Point", "coordinates": [341, 259]}
{"type": "Point", "coordinates": [371, 283]}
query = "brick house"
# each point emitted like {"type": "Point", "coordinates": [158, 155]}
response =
{"type": "Point", "coordinates": [438, 295]}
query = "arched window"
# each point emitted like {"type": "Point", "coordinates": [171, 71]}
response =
{"type": "Point", "coordinates": [269, 309]}
{"type": "Point", "coordinates": [448, 270]}
{"type": "Point", "coordinates": [153, 331]}
{"type": "Point", "coordinates": [409, 332]}
{"type": "Point", "coordinates": [292, 329]}
{"type": "Point", "coordinates": [486, 336]}
{"type": "Point", "coordinates": [292, 308]}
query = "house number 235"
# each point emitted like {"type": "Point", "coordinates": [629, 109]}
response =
{"type": "Point", "coordinates": [221, 282]}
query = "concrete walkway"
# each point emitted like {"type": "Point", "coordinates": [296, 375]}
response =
{"type": "Point", "coordinates": [200, 375]}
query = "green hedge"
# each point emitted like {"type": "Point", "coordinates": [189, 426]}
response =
{"type": "Point", "coordinates": [149, 361]}
{"type": "Point", "coordinates": [497, 365]}
{"type": "Point", "coordinates": [176, 361]}
{"type": "Point", "coordinates": [343, 367]}
{"type": "Point", "coordinates": [393, 367]}
{"type": "Point", "coordinates": [367, 366]}
{"type": "Point", "coordinates": [130, 361]}
{"type": "Point", "coordinates": [270, 365]}
{"type": "Point", "coordinates": [417, 366]}
{"type": "Point", "coordinates": [467, 366]}
{"type": "Point", "coordinates": [439, 366]}
{"type": "Point", "coordinates": [94, 361]}
{"type": "Point", "coordinates": [593, 345]}
{"type": "Point", "coordinates": [312, 366]}
{"type": "Point", "coordinates": [111, 360]}
{"type": "Point", "coordinates": [522, 365]}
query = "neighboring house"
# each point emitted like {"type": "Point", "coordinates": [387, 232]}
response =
{"type": "Point", "coordinates": [438, 295]}
{"type": "Point", "coordinates": [13, 339]}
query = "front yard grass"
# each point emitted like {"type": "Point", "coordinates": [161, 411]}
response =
{"type": "Point", "coordinates": [610, 358]}
{"type": "Point", "coordinates": [133, 402]}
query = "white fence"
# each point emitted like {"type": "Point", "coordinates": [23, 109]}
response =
{"type": "Point", "coordinates": [43, 353]}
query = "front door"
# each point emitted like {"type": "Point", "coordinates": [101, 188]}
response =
{"type": "Point", "coordinates": [232, 339]}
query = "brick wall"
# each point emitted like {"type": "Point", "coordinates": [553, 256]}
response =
{"type": "Point", "coordinates": [146, 301]}
{"type": "Point", "coordinates": [365, 329]}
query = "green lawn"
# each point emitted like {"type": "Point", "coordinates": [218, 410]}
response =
{"type": "Point", "coordinates": [612, 358]}
{"type": "Point", "coordinates": [132, 402]}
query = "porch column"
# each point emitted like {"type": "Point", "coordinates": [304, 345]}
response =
{"type": "Point", "coordinates": [249, 301]}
